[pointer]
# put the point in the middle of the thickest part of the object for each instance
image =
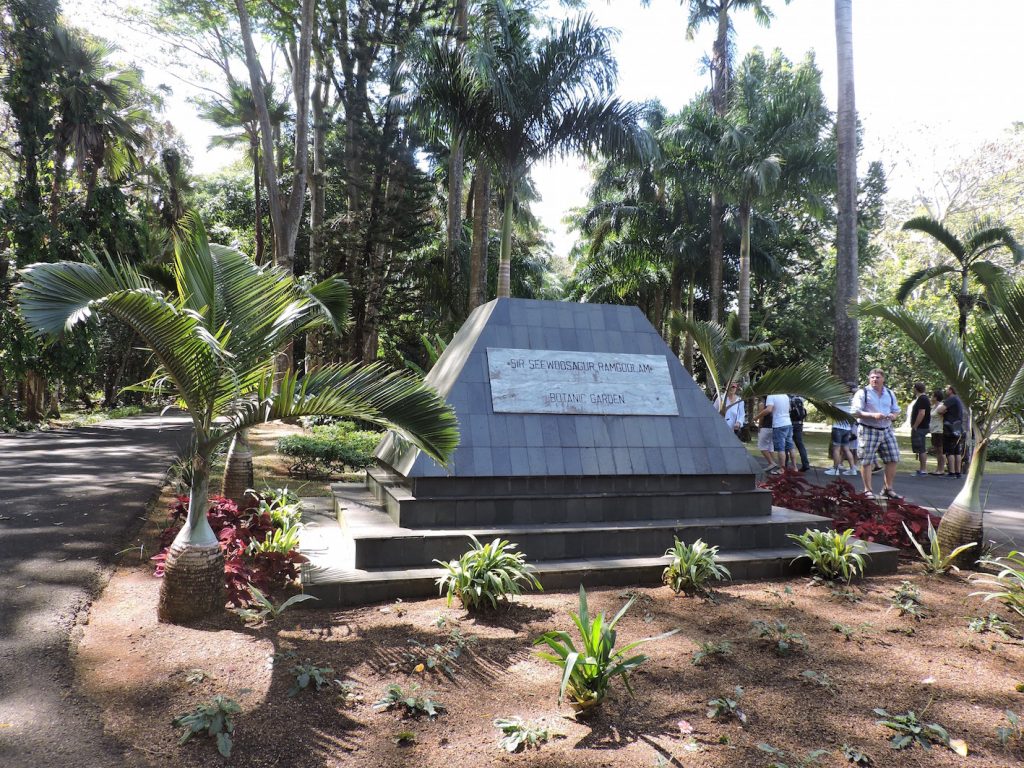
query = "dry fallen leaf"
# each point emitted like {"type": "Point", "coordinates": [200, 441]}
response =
{"type": "Point", "coordinates": [959, 746]}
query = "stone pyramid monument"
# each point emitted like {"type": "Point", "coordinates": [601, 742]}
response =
{"type": "Point", "coordinates": [583, 439]}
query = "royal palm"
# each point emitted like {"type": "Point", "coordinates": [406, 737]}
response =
{"type": "Point", "coordinates": [215, 339]}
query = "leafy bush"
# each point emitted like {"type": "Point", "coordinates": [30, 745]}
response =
{"type": "Point", "coordinates": [486, 574]}
{"type": "Point", "coordinates": [1006, 450]}
{"type": "Point", "coordinates": [693, 567]}
{"type": "Point", "coordinates": [1008, 583]}
{"type": "Point", "coordinates": [587, 672]}
{"type": "Point", "coordinates": [519, 734]}
{"type": "Point", "coordinates": [215, 717]}
{"type": "Point", "coordinates": [330, 448]}
{"type": "Point", "coordinates": [831, 553]}
{"type": "Point", "coordinates": [848, 508]}
{"type": "Point", "coordinates": [280, 540]}
{"type": "Point", "coordinates": [993, 623]}
{"type": "Point", "coordinates": [934, 561]}
{"type": "Point", "coordinates": [283, 506]}
{"type": "Point", "coordinates": [237, 530]}
{"type": "Point", "coordinates": [410, 702]}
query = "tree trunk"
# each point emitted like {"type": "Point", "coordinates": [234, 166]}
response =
{"type": "Point", "coordinates": [846, 349]}
{"type": "Point", "coordinates": [717, 254]}
{"type": "Point", "coordinates": [744, 298]}
{"type": "Point", "coordinates": [238, 474]}
{"type": "Point", "coordinates": [962, 300]}
{"type": "Point", "coordinates": [963, 521]}
{"type": "Point", "coordinates": [675, 299]}
{"type": "Point", "coordinates": [257, 191]}
{"type": "Point", "coordinates": [720, 67]}
{"type": "Point", "coordinates": [505, 260]}
{"type": "Point", "coordinates": [481, 231]}
{"type": "Point", "coordinates": [193, 583]}
{"type": "Point", "coordinates": [688, 343]}
{"type": "Point", "coordinates": [33, 396]}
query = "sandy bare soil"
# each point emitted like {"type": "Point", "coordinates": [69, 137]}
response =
{"type": "Point", "coordinates": [141, 675]}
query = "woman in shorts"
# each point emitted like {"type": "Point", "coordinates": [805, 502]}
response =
{"type": "Point", "coordinates": [935, 427]}
{"type": "Point", "coordinates": [764, 442]}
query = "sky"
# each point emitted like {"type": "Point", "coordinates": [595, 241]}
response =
{"type": "Point", "coordinates": [934, 78]}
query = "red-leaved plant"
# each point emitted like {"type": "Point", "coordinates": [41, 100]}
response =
{"type": "Point", "coordinates": [849, 508]}
{"type": "Point", "coordinates": [236, 529]}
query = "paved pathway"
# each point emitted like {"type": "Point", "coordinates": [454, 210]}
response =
{"type": "Point", "coordinates": [1003, 496]}
{"type": "Point", "coordinates": [66, 502]}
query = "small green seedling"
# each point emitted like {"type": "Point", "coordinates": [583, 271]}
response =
{"type": "Point", "coordinates": [711, 650]}
{"type": "Point", "coordinates": [723, 708]}
{"type": "Point", "coordinates": [993, 623]}
{"type": "Point", "coordinates": [307, 673]}
{"type": "Point", "coordinates": [263, 609]}
{"type": "Point", "coordinates": [855, 756]}
{"type": "Point", "coordinates": [215, 717]}
{"type": "Point", "coordinates": [906, 598]}
{"type": "Point", "coordinates": [780, 636]}
{"type": "Point", "coordinates": [520, 734]}
{"type": "Point", "coordinates": [910, 731]}
{"type": "Point", "coordinates": [1012, 734]}
{"type": "Point", "coordinates": [411, 703]}
{"type": "Point", "coordinates": [778, 756]}
{"type": "Point", "coordinates": [821, 679]}
{"type": "Point", "coordinates": [405, 738]}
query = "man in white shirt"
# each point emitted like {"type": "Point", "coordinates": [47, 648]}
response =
{"type": "Point", "coordinates": [782, 428]}
{"type": "Point", "coordinates": [876, 409]}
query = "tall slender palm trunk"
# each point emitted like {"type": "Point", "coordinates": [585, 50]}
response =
{"type": "Point", "coordinates": [505, 262]}
{"type": "Point", "coordinates": [744, 297]}
{"type": "Point", "coordinates": [481, 232]}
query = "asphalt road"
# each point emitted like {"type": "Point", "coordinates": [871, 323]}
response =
{"type": "Point", "coordinates": [67, 501]}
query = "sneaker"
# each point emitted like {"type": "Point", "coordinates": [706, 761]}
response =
{"type": "Point", "coordinates": [919, 473]}
{"type": "Point", "coordinates": [805, 468]}
{"type": "Point", "coordinates": [833, 471]}
{"type": "Point", "coordinates": [875, 468]}
{"type": "Point", "coordinates": [850, 472]}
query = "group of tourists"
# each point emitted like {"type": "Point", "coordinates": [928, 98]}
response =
{"type": "Point", "coordinates": [868, 434]}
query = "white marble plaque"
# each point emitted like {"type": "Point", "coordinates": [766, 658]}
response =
{"type": "Point", "coordinates": [605, 383]}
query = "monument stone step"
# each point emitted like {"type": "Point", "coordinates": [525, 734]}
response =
{"type": "Point", "coordinates": [332, 577]}
{"type": "Point", "coordinates": [473, 511]}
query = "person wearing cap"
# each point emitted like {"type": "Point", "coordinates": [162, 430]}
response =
{"type": "Point", "coordinates": [876, 409]}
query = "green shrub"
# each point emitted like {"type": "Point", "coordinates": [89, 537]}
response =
{"type": "Point", "coordinates": [934, 561]}
{"type": "Point", "coordinates": [283, 506]}
{"type": "Point", "coordinates": [1006, 450]}
{"type": "Point", "coordinates": [486, 574]}
{"type": "Point", "coordinates": [587, 672]}
{"type": "Point", "coordinates": [831, 553]}
{"type": "Point", "coordinates": [693, 567]}
{"type": "Point", "coordinates": [330, 448]}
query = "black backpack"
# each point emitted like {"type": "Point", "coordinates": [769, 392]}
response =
{"type": "Point", "coordinates": [797, 412]}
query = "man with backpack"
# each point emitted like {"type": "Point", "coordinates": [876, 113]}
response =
{"type": "Point", "coordinates": [876, 409]}
{"type": "Point", "coordinates": [797, 414]}
{"type": "Point", "coordinates": [952, 410]}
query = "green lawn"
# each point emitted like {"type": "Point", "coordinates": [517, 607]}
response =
{"type": "Point", "coordinates": [817, 438]}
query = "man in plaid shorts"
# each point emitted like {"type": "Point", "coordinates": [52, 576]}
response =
{"type": "Point", "coordinates": [876, 409]}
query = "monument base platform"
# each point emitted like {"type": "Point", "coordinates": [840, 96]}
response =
{"type": "Point", "coordinates": [359, 554]}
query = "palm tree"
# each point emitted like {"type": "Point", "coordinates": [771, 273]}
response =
{"type": "Point", "coordinates": [517, 102]}
{"type": "Point", "coordinates": [980, 240]}
{"type": "Point", "coordinates": [986, 366]}
{"type": "Point", "coordinates": [215, 340]}
{"type": "Point", "coordinates": [773, 142]}
{"type": "Point", "coordinates": [846, 351]}
{"type": "Point", "coordinates": [99, 118]}
{"type": "Point", "coordinates": [730, 359]}
{"type": "Point", "coordinates": [717, 12]}
{"type": "Point", "coordinates": [238, 118]}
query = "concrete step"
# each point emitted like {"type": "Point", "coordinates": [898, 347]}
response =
{"type": "Point", "coordinates": [379, 543]}
{"type": "Point", "coordinates": [332, 577]}
{"type": "Point", "coordinates": [409, 511]}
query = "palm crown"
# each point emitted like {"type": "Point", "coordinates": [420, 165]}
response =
{"type": "Point", "coordinates": [215, 338]}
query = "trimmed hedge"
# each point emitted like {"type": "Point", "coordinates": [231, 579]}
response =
{"type": "Point", "coordinates": [1006, 450]}
{"type": "Point", "coordinates": [330, 448]}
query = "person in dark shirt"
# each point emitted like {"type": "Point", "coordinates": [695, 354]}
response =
{"type": "Point", "coordinates": [920, 417]}
{"type": "Point", "coordinates": [952, 410]}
